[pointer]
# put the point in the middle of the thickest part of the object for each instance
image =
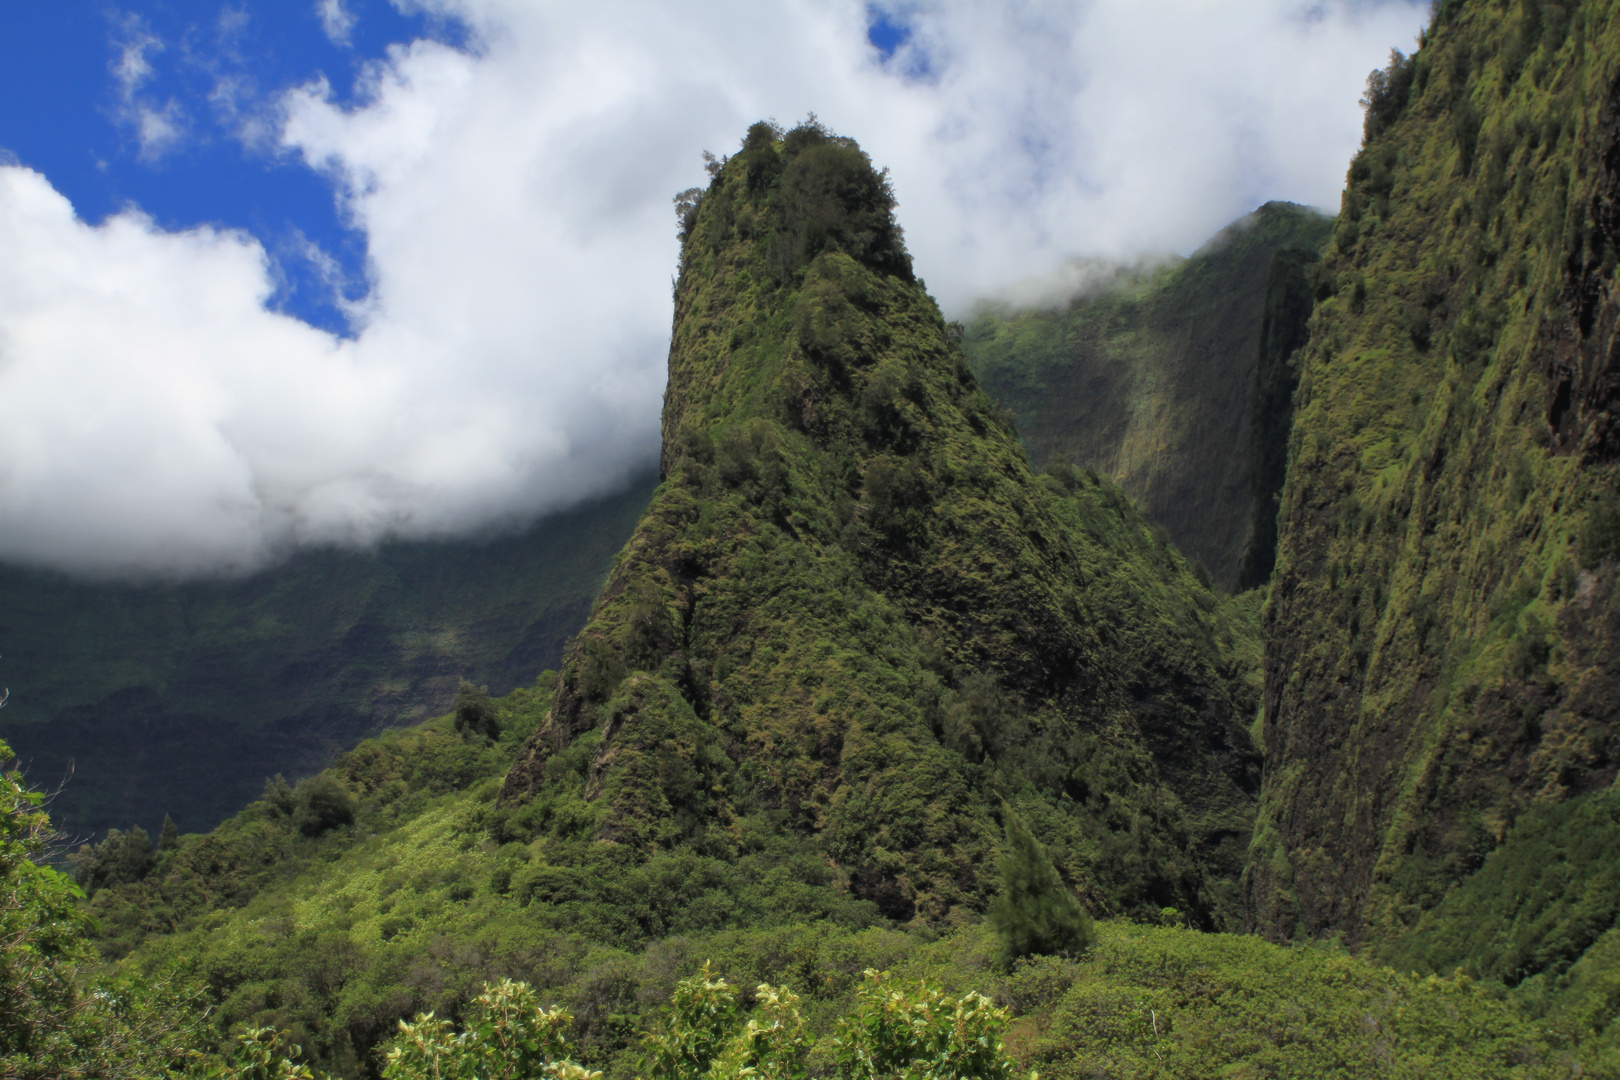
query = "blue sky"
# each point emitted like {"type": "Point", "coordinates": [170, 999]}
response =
{"type": "Point", "coordinates": [65, 115]}
{"type": "Point", "coordinates": [330, 271]}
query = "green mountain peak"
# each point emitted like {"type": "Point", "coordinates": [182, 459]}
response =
{"type": "Point", "coordinates": [854, 611]}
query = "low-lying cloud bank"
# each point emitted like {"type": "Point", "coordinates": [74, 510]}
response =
{"type": "Point", "coordinates": [507, 358]}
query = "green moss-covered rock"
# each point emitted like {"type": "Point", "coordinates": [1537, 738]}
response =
{"type": "Point", "coordinates": [1441, 647]}
{"type": "Point", "coordinates": [853, 590]}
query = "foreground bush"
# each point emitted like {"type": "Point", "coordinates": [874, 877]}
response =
{"type": "Point", "coordinates": [909, 1032]}
{"type": "Point", "coordinates": [54, 1025]}
{"type": "Point", "coordinates": [508, 1036]}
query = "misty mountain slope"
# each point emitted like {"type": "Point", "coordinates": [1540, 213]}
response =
{"type": "Point", "coordinates": [1443, 632]}
{"type": "Point", "coordinates": [1166, 381]}
{"type": "Point", "coordinates": [182, 698]}
{"type": "Point", "coordinates": [853, 614]}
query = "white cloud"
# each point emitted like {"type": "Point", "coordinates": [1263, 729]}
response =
{"type": "Point", "coordinates": [158, 128]}
{"type": "Point", "coordinates": [155, 417]}
{"type": "Point", "coordinates": [131, 69]}
{"type": "Point", "coordinates": [508, 354]}
{"type": "Point", "coordinates": [336, 20]}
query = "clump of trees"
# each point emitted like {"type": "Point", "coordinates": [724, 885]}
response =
{"type": "Point", "coordinates": [476, 713]}
{"type": "Point", "coordinates": [830, 198]}
{"type": "Point", "coordinates": [316, 806]}
{"type": "Point", "coordinates": [1388, 90]}
{"type": "Point", "coordinates": [121, 858]}
{"type": "Point", "coordinates": [824, 193]}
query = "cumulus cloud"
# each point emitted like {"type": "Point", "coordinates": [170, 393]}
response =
{"type": "Point", "coordinates": [157, 417]}
{"type": "Point", "coordinates": [507, 352]}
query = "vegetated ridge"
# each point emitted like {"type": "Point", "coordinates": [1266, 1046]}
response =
{"type": "Point", "coordinates": [853, 612]}
{"type": "Point", "coordinates": [1442, 638]}
{"type": "Point", "coordinates": [1174, 381]}
{"type": "Point", "coordinates": [179, 699]}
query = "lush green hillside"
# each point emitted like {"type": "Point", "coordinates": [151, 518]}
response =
{"type": "Point", "coordinates": [1174, 382]}
{"type": "Point", "coordinates": [181, 699]}
{"type": "Point", "coordinates": [1440, 638]}
{"type": "Point", "coordinates": [852, 614]}
{"type": "Point", "coordinates": [850, 631]}
{"type": "Point", "coordinates": [333, 933]}
{"type": "Point", "coordinates": [853, 629]}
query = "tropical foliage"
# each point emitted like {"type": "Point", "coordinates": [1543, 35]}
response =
{"type": "Point", "coordinates": [854, 628]}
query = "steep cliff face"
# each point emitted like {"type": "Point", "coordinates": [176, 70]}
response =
{"type": "Point", "coordinates": [1443, 633]}
{"type": "Point", "coordinates": [1168, 382]}
{"type": "Point", "coordinates": [853, 613]}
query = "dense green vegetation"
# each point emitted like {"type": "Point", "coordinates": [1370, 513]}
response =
{"type": "Point", "coordinates": [334, 938]}
{"type": "Point", "coordinates": [866, 694]}
{"type": "Point", "coordinates": [854, 617]}
{"type": "Point", "coordinates": [55, 1024]}
{"type": "Point", "coordinates": [1440, 637]}
{"type": "Point", "coordinates": [1167, 379]}
{"type": "Point", "coordinates": [181, 698]}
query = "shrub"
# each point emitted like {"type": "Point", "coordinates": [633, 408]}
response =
{"type": "Point", "coordinates": [696, 1025]}
{"type": "Point", "coordinates": [476, 713]}
{"type": "Point", "coordinates": [323, 805]}
{"type": "Point", "coordinates": [919, 1033]}
{"type": "Point", "coordinates": [261, 1053]}
{"type": "Point", "coordinates": [910, 1031]}
{"type": "Point", "coordinates": [1036, 914]}
{"type": "Point", "coordinates": [508, 1036]}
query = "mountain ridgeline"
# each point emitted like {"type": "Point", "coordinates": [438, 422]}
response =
{"type": "Point", "coordinates": [854, 614]}
{"type": "Point", "coordinates": [1173, 381]}
{"type": "Point", "coordinates": [1442, 638]}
